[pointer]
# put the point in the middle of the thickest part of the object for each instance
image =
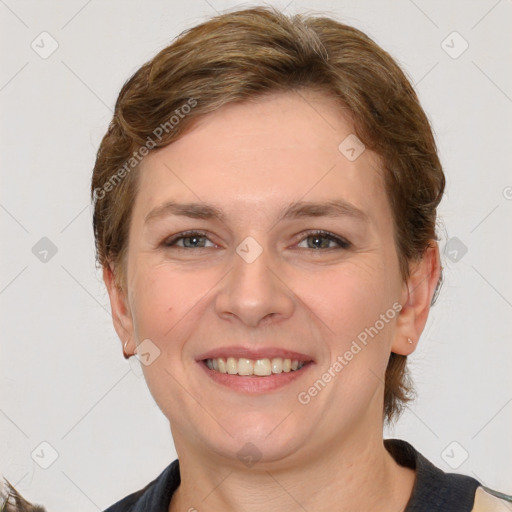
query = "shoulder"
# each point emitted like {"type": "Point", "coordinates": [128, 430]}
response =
{"type": "Point", "coordinates": [488, 500]}
{"type": "Point", "coordinates": [436, 490]}
{"type": "Point", "coordinates": [155, 496]}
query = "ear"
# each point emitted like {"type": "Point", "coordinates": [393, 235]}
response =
{"type": "Point", "coordinates": [417, 295]}
{"type": "Point", "coordinates": [121, 315]}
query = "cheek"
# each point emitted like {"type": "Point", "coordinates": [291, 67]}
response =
{"type": "Point", "coordinates": [355, 307]}
{"type": "Point", "coordinates": [163, 299]}
{"type": "Point", "coordinates": [346, 299]}
{"type": "Point", "coordinates": [167, 310]}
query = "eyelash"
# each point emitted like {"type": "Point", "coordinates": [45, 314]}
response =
{"type": "Point", "coordinates": [343, 244]}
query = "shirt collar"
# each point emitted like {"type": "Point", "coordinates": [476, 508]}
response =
{"type": "Point", "coordinates": [433, 488]}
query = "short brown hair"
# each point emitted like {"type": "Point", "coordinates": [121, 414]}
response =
{"type": "Point", "coordinates": [243, 55]}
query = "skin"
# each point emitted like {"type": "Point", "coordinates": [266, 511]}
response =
{"type": "Point", "coordinates": [252, 160]}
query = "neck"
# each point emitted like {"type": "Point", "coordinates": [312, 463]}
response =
{"type": "Point", "coordinates": [355, 473]}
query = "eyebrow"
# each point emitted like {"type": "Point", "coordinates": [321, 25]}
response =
{"type": "Point", "coordinates": [298, 209]}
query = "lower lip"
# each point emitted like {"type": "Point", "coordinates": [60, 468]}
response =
{"type": "Point", "coordinates": [253, 384]}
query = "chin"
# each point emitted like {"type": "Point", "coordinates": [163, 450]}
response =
{"type": "Point", "coordinates": [262, 443]}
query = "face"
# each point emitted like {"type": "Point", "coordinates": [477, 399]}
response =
{"type": "Point", "coordinates": [251, 277]}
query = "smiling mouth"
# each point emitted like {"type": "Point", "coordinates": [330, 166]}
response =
{"type": "Point", "coordinates": [254, 367]}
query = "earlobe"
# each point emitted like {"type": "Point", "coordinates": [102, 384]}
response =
{"type": "Point", "coordinates": [416, 299]}
{"type": "Point", "coordinates": [121, 316]}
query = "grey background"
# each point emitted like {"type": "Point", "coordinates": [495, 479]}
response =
{"type": "Point", "coordinates": [64, 381]}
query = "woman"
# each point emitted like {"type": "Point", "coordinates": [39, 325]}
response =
{"type": "Point", "coordinates": [264, 213]}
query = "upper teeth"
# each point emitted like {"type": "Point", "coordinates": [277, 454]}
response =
{"type": "Point", "coordinates": [261, 367]}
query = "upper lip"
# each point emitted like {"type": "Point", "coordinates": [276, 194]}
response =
{"type": "Point", "coordinates": [252, 353]}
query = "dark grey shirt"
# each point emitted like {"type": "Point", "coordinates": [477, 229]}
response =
{"type": "Point", "coordinates": [434, 490]}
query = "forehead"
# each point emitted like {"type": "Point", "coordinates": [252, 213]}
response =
{"type": "Point", "coordinates": [255, 157]}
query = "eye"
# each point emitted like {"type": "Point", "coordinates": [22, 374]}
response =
{"type": "Point", "coordinates": [191, 240]}
{"type": "Point", "coordinates": [198, 239]}
{"type": "Point", "coordinates": [321, 239]}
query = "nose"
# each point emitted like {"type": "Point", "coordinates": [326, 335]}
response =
{"type": "Point", "coordinates": [254, 292]}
